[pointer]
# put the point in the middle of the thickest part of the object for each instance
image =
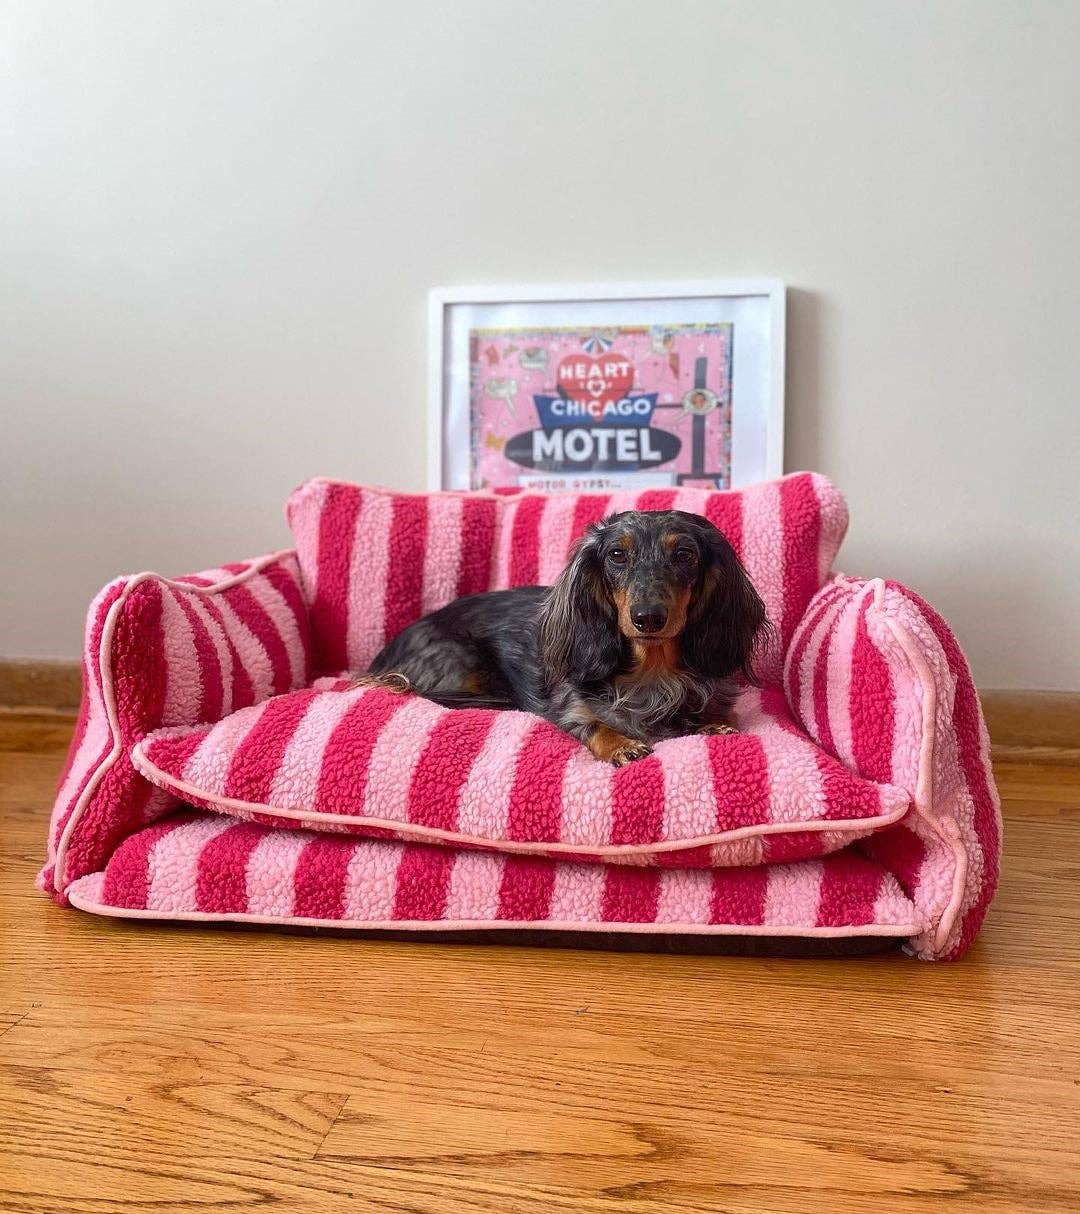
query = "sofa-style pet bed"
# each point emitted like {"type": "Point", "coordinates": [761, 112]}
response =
{"type": "Point", "coordinates": [223, 769]}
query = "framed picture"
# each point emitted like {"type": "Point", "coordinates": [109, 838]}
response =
{"type": "Point", "coordinates": [606, 387]}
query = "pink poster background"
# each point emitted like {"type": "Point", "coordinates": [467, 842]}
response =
{"type": "Point", "coordinates": [509, 366]}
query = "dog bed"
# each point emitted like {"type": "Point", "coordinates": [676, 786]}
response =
{"type": "Point", "coordinates": [223, 770]}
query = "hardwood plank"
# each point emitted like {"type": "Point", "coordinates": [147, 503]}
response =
{"type": "Point", "coordinates": [39, 1104]}
{"type": "Point", "coordinates": [167, 1068]}
{"type": "Point", "coordinates": [574, 1129]}
{"type": "Point", "coordinates": [65, 1181]}
{"type": "Point", "coordinates": [8, 1020]}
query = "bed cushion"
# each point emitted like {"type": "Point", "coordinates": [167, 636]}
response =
{"type": "Point", "coordinates": [365, 761]}
{"type": "Point", "coordinates": [210, 867]}
{"type": "Point", "coordinates": [373, 561]}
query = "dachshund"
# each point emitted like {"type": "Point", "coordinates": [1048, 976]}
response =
{"type": "Point", "coordinates": [642, 637]}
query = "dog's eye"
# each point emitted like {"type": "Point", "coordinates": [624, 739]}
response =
{"type": "Point", "coordinates": [617, 556]}
{"type": "Point", "coordinates": [683, 556]}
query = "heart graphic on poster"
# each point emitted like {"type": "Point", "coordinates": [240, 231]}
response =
{"type": "Point", "coordinates": [596, 381]}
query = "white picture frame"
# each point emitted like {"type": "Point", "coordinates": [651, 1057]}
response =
{"type": "Point", "coordinates": [756, 309]}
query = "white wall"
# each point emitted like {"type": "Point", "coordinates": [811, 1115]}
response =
{"type": "Point", "coordinates": [220, 220]}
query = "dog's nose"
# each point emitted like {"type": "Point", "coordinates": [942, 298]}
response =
{"type": "Point", "coordinates": [648, 617]}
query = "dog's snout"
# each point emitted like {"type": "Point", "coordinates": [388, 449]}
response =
{"type": "Point", "coordinates": [648, 617]}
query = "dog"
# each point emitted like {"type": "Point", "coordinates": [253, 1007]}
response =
{"type": "Point", "coordinates": [642, 637]}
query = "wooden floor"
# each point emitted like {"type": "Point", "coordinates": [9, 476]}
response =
{"type": "Point", "coordinates": [154, 1068]}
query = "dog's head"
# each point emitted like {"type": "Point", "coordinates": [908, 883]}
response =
{"type": "Point", "coordinates": [648, 578]}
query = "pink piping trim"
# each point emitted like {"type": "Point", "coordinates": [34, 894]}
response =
{"type": "Point", "coordinates": [108, 693]}
{"type": "Point", "coordinates": [901, 930]}
{"type": "Point", "coordinates": [925, 779]}
{"type": "Point", "coordinates": [413, 829]}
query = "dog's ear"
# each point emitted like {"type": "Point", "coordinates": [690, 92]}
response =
{"type": "Point", "coordinates": [726, 626]}
{"type": "Point", "coordinates": [579, 634]}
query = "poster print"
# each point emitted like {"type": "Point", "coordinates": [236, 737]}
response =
{"type": "Point", "coordinates": [578, 408]}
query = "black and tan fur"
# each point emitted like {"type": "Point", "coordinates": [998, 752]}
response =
{"type": "Point", "coordinates": [641, 638]}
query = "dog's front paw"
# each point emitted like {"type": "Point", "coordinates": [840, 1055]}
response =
{"type": "Point", "coordinates": [628, 753]}
{"type": "Point", "coordinates": [717, 729]}
{"type": "Point", "coordinates": [610, 746]}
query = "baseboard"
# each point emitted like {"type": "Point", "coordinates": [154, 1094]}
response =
{"type": "Point", "coordinates": [29, 684]}
{"type": "Point", "coordinates": [1032, 726]}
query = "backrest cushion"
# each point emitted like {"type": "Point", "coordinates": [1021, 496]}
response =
{"type": "Point", "coordinates": [373, 561]}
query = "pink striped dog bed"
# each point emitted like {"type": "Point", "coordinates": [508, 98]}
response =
{"type": "Point", "coordinates": [221, 771]}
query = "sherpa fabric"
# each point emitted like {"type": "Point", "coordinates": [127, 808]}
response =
{"type": "Point", "coordinates": [875, 676]}
{"type": "Point", "coordinates": [875, 684]}
{"type": "Point", "coordinates": [167, 652]}
{"type": "Point", "coordinates": [208, 866]}
{"type": "Point", "coordinates": [374, 561]}
{"type": "Point", "coordinates": [366, 761]}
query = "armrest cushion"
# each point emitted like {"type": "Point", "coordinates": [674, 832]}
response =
{"type": "Point", "coordinates": [876, 677]}
{"type": "Point", "coordinates": [167, 652]}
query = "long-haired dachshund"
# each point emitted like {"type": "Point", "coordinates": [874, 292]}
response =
{"type": "Point", "coordinates": [639, 639]}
